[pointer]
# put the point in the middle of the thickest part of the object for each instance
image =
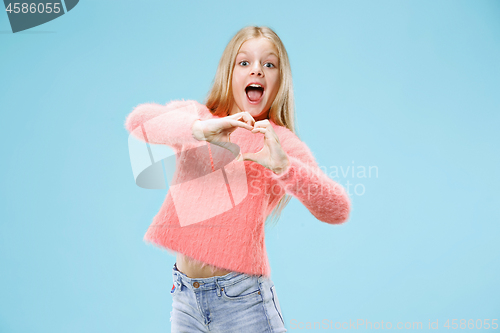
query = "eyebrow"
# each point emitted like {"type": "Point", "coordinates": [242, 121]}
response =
{"type": "Point", "coordinates": [271, 52]}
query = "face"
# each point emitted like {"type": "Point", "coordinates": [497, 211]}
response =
{"type": "Point", "coordinates": [257, 64]}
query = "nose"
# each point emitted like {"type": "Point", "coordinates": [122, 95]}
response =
{"type": "Point", "coordinates": [257, 70]}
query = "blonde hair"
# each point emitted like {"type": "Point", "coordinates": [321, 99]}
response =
{"type": "Point", "coordinates": [282, 112]}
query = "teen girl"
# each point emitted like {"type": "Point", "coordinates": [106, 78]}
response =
{"type": "Point", "coordinates": [212, 218]}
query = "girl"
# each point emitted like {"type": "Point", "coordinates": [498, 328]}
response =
{"type": "Point", "coordinates": [214, 212]}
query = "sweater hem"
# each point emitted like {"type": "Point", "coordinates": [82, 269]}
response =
{"type": "Point", "coordinates": [171, 248]}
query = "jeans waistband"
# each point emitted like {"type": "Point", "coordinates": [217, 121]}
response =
{"type": "Point", "coordinates": [214, 282]}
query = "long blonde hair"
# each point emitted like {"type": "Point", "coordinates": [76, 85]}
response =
{"type": "Point", "coordinates": [282, 112]}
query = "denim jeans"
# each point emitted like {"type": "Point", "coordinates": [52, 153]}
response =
{"type": "Point", "coordinates": [235, 302]}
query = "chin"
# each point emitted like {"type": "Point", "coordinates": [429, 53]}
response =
{"type": "Point", "coordinates": [252, 109]}
{"type": "Point", "coordinates": [255, 110]}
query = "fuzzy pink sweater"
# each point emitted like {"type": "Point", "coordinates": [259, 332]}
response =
{"type": "Point", "coordinates": [221, 227]}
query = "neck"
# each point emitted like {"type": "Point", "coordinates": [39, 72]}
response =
{"type": "Point", "coordinates": [262, 116]}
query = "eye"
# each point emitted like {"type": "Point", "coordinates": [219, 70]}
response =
{"type": "Point", "coordinates": [243, 62]}
{"type": "Point", "coordinates": [268, 63]}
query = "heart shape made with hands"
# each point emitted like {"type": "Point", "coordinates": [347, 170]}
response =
{"type": "Point", "coordinates": [272, 155]}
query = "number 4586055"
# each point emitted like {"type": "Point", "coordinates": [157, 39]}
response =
{"type": "Point", "coordinates": [34, 8]}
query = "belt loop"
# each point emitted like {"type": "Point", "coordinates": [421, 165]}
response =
{"type": "Point", "coordinates": [178, 280]}
{"type": "Point", "coordinates": [218, 287]}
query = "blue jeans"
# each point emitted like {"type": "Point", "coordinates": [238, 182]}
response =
{"type": "Point", "coordinates": [235, 302]}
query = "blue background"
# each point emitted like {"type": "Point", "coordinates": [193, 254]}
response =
{"type": "Point", "coordinates": [410, 88]}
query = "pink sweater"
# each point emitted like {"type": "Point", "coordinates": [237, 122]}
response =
{"type": "Point", "coordinates": [220, 220]}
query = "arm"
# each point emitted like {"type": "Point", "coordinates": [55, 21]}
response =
{"type": "Point", "coordinates": [169, 124]}
{"type": "Point", "coordinates": [302, 178]}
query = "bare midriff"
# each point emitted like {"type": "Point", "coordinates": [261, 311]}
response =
{"type": "Point", "coordinates": [193, 269]}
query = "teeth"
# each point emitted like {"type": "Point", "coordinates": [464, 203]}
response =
{"type": "Point", "coordinates": [255, 85]}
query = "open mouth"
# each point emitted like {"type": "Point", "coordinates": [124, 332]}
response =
{"type": "Point", "coordinates": [254, 93]}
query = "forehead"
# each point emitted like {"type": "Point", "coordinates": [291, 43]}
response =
{"type": "Point", "coordinates": [256, 46]}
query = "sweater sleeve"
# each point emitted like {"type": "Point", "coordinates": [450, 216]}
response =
{"type": "Point", "coordinates": [324, 198]}
{"type": "Point", "coordinates": [169, 124]}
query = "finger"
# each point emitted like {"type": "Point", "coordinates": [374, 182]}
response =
{"type": "Point", "coordinates": [240, 124]}
{"type": "Point", "coordinates": [268, 134]}
{"type": "Point", "coordinates": [249, 157]}
{"type": "Point", "coordinates": [259, 129]}
{"type": "Point", "coordinates": [245, 117]}
{"type": "Point", "coordinates": [263, 123]}
{"type": "Point", "coordinates": [248, 117]}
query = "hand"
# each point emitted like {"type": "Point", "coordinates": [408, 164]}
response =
{"type": "Point", "coordinates": [272, 155]}
{"type": "Point", "coordinates": [219, 129]}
